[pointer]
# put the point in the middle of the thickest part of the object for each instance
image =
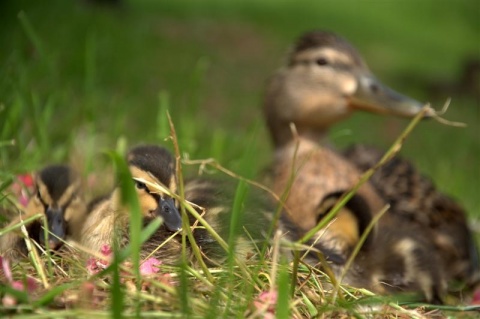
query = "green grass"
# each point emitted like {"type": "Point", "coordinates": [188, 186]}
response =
{"type": "Point", "coordinates": [76, 80]}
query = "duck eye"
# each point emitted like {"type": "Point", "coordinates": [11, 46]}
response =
{"type": "Point", "coordinates": [140, 185]}
{"type": "Point", "coordinates": [321, 61]}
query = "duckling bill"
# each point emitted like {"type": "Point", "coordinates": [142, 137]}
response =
{"type": "Point", "coordinates": [58, 197]}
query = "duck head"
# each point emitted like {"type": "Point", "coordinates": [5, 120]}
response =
{"type": "Point", "coordinates": [324, 80]}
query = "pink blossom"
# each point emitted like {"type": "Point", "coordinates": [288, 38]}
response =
{"type": "Point", "coordinates": [6, 268]}
{"type": "Point", "coordinates": [106, 250]}
{"type": "Point", "coordinates": [476, 297]}
{"type": "Point", "coordinates": [29, 285]}
{"type": "Point", "coordinates": [95, 265]}
{"type": "Point", "coordinates": [26, 179]}
{"type": "Point", "coordinates": [9, 301]}
{"type": "Point", "coordinates": [150, 266]}
{"type": "Point", "coordinates": [23, 199]}
{"type": "Point", "coordinates": [267, 300]}
{"type": "Point", "coordinates": [22, 188]}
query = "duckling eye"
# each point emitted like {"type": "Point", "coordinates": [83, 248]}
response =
{"type": "Point", "coordinates": [321, 61]}
{"type": "Point", "coordinates": [140, 185]}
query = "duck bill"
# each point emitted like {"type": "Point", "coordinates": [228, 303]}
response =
{"type": "Point", "coordinates": [170, 214]}
{"type": "Point", "coordinates": [56, 227]}
{"type": "Point", "coordinates": [373, 96]}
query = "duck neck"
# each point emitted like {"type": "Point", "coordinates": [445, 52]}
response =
{"type": "Point", "coordinates": [288, 134]}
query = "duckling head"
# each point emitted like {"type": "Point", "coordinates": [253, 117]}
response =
{"type": "Point", "coordinates": [324, 81]}
{"type": "Point", "coordinates": [155, 164]}
{"type": "Point", "coordinates": [57, 196]}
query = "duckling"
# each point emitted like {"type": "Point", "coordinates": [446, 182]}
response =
{"type": "Point", "coordinates": [399, 260]}
{"type": "Point", "coordinates": [325, 81]}
{"type": "Point", "coordinates": [58, 196]}
{"type": "Point", "coordinates": [337, 240]}
{"type": "Point", "coordinates": [109, 221]}
{"type": "Point", "coordinates": [415, 200]}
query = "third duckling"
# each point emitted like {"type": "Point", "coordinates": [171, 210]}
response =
{"type": "Point", "coordinates": [59, 197]}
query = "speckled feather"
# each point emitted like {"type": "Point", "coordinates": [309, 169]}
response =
{"type": "Point", "coordinates": [415, 200]}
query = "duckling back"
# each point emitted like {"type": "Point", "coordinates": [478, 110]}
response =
{"type": "Point", "coordinates": [401, 260]}
{"type": "Point", "coordinates": [415, 201]}
{"type": "Point", "coordinates": [213, 200]}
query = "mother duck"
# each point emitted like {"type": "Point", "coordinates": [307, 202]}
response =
{"type": "Point", "coordinates": [324, 81]}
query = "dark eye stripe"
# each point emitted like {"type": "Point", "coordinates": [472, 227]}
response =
{"type": "Point", "coordinates": [39, 196]}
{"type": "Point", "coordinates": [156, 196]}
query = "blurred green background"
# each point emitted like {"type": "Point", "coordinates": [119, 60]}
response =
{"type": "Point", "coordinates": [75, 76]}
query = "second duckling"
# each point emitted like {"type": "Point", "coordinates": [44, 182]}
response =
{"type": "Point", "coordinates": [109, 221]}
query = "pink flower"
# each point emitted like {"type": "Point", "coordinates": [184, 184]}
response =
{"type": "Point", "coordinates": [6, 268]}
{"type": "Point", "coordinates": [23, 199]}
{"type": "Point", "coordinates": [95, 265]}
{"type": "Point", "coordinates": [267, 300]}
{"type": "Point", "coordinates": [476, 297]}
{"type": "Point", "coordinates": [106, 250]}
{"type": "Point", "coordinates": [26, 179]}
{"type": "Point", "coordinates": [150, 266]}
{"type": "Point", "coordinates": [29, 285]}
{"type": "Point", "coordinates": [22, 188]}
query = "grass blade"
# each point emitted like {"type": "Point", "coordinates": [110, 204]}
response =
{"type": "Point", "coordinates": [32, 35]}
{"type": "Point", "coordinates": [116, 293]}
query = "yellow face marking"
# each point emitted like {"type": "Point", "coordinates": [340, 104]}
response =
{"type": "Point", "coordinates": [69, 194]}
{"type": "Point", "coordinates": [66, 197]}
{"type": "Point", "coordinates": [147, 199]}
{"type": "Point", "coordinates": [173, 184]}
{"type": "Point", "coordinates": [43, 193]}
{"type": "Point", "coordinates": [76, 206]}
{"type": "Point", "coordinates": [138, 173]}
